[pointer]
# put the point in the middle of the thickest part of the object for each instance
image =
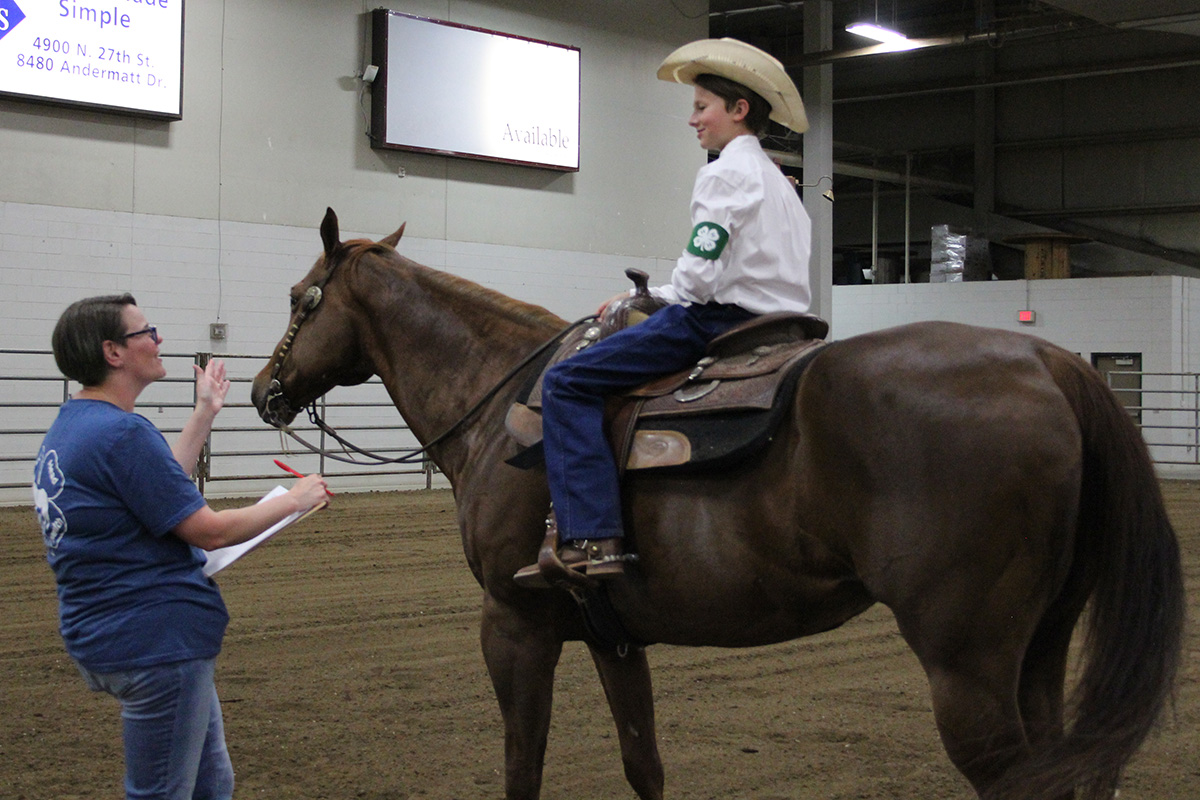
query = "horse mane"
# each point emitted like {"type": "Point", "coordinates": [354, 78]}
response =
{"type": "Point", "coordinates": [457, 286]}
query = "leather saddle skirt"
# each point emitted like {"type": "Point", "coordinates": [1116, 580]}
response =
{"type": "Point", "coordinates": [713, 415]}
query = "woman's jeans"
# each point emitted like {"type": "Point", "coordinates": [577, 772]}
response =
{"type": "Point", "coordinates": [173, 732]}
{"type": "Point", "coordinates": [584, 483]}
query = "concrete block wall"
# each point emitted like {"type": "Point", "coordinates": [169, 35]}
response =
{"type": "Point", "coordinates": [187, 273]}
{"type": "Point", "coordinates": [1099, 315]}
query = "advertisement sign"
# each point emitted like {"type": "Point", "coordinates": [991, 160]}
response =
{"type": "Point", "coordinates": [114, 55]}
{"type": "Point", "coordinates": [461, 91]}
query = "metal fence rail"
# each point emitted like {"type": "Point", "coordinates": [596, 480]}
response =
{"type": "Point", "coordinates": [237, 460]}
{"type": "Point", "coordinates": [238, 457]}
{"type": "Point", "coordinates": [1168, 407]}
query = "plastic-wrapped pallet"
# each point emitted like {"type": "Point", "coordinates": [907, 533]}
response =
{"type": "Point", "coordinates": [958, 255]}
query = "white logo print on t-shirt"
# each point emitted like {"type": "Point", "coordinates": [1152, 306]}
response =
{"type": "Point", "coordinates": [48, 483]}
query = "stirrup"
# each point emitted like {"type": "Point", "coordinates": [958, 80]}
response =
{"type": "Point", "coordinates": [550, 571]}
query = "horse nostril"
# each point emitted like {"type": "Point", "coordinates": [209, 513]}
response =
{"type": "Point", "coordinates": [275, 409]}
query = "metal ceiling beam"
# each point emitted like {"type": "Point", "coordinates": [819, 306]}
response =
{"type": "Point", "coordinates": [776, 6]}
{"type": "Point", "coordinates": [1128, 67]}
{"type": "Point", "coordinates": [1049, 26]}
{"type": "Point", "coordinates": [1123, 13]}
{"type": "Point", "coordinates": [1091, 140]}
{"type": "Point", "coordinates": [1182, 257]}
{"type": "Point", "coordinates": [874, 174]}
{"type": "Point", "coordinates": [1108, 211]}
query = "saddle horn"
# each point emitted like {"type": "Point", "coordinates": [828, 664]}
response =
{"type": "Point", "coordinates": [633, 309]}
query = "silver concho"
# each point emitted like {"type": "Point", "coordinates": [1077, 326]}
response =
{"type": "Point", "coordinates": [312, 297]}
{"type": "Point", "coordinates": [688, 394]}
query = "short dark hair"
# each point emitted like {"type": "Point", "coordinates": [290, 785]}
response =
{"type": "Point", "coordinates": [80, 333]}
{"type": "Point", "coordinates": [758, 118]}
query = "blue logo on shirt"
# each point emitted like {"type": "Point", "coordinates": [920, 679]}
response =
{"type": "Point", "coordinates": [48, 483]}
{"type": "Point", "coordinates": [10, 15]}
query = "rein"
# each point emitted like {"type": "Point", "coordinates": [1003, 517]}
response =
{"type": "Point", "coordinates": [311, 299]}
{"type": "Point", "coordinates": [415, 454]}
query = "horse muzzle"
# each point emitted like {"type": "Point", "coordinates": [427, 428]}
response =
{"type": "Point", "coordinates": [274, 407]}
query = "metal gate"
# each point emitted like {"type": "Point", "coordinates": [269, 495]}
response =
{"type": "Point", "coordinates": [1166, 406]}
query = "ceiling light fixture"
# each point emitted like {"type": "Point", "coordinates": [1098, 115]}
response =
{"type": "Point", "coordinates": [894, 39]}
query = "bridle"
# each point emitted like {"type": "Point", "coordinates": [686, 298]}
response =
{"type": "Point", "coordinates": [275, 403]}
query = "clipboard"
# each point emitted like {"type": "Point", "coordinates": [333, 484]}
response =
{"type": "Point", "coordinates": [222, 557]}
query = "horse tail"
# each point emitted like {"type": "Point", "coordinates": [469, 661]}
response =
{"type": "Point", "coordinates": [1126, 557]}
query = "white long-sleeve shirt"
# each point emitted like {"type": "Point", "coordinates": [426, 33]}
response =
{"type": "Point", "coordinates": [751, 237]}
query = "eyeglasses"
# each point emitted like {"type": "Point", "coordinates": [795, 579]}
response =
{"type": "Point", "coordinates": [150, 329]}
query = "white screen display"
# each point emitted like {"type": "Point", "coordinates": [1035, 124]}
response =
{"type": "Point", "coordinates": [475, 93]}
{"type": "Point", "coordinates": [121, 55]}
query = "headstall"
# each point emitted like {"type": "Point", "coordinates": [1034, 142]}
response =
{"type": "Point", "coordinates": [275, 401]}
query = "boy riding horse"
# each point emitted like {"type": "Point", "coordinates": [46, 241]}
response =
{"type": "Point", "coordinates": [747, 255]}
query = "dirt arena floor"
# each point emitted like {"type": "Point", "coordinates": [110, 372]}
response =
{"type": "Point", "coordinates": [352, 669]}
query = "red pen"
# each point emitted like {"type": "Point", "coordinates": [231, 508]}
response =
{"type": "Point", "coordinates": [286, 468]}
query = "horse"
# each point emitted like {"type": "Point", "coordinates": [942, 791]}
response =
{"type": "Point", "coordinates": [985, 485]}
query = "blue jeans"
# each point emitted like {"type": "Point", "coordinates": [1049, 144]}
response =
{"type": "Point", "coordinates": [173, 732]}
{"type": "Point", "coordinates": [583, 477]}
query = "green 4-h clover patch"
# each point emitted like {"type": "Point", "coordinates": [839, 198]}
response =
{"type": "Point", "coordinates": [708, 240]}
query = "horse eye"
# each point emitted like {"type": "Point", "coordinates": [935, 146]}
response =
{"type": "Point", "coordinates": [293, 301]}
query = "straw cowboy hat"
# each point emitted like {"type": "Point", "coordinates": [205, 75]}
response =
{"type": "Point", "coordinates": [745, 64]}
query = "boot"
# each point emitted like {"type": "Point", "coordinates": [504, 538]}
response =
{"type": "Point", "coordinates": [549, 568]}
{"type": "Point", "coordinates": [574, 562]}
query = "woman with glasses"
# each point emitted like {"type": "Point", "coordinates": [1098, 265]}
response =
{"type": "Point", "coordinates": [125, 530]}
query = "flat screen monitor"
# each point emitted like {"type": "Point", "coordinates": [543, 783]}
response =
{"type": "Point", "coordinates": [112, 55]}
{"type": "Point", "coordinates": [461, 91]}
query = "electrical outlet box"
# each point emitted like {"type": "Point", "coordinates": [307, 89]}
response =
{"type": "Point", "coordinates": [217, 331]}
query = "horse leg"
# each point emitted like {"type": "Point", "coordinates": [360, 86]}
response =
{"type": "Point", "coordinates": [627, 686]}
{"type": "Point", "coordinates": [973, 663]}
{"type": "Point", "coordinates": [521, 657]}
{"type": "Point", "coordinates": [1043, 679]}
{"type": "Point", "coordinates": [992, 713]}
{"type": "Point", "coordinates": [978, 718]}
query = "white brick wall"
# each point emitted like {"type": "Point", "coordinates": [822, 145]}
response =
{"type": "Point", "coordinates": [1098, 315]}
{"type": "Point", "coordinates": [186, 273]}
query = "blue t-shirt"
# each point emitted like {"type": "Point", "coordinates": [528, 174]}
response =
{"type": "Point", "coordinates": [108, 491]}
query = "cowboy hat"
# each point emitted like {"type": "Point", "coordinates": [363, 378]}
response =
{"type": "Point", "coordinates": [744, 63]}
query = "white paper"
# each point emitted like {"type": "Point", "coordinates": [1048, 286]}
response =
{"type": "Point", "coordinates": [222, 557]}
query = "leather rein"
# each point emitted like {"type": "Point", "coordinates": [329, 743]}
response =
{"type": "Point", "coordinates": [275, 399]}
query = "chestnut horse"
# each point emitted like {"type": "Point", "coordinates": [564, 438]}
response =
{"type": "Point", "coordinates": [984, 485]}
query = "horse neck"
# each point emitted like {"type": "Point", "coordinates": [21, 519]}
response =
{"type": "Point", "coordinates": [449, 344]}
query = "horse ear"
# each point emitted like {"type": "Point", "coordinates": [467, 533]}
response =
{"type": "Point", "coordinates": [394, 239]}
{"type": "Point", "coordinates": [329, 231]}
